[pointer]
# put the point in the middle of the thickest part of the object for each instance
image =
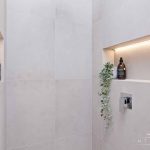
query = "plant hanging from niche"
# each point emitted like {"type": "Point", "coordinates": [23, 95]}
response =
{"type": "Point", "coordinates": [105, 76]}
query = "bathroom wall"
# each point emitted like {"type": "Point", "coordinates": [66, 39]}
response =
{"type": "Point", "coordinates": [2, 117]}
{"type": "Point", "coordinates": [129, 18]}
{"type": "Point", "coordinates": [2, 15]}
{"type": "Point", "coordinates": [2, 101]}
{"type": "Point", "coordinates": [73, 74]}
{"type": "Point", "coordinates": [114, 22]}
{"type": "Point", "coordinates": [48, 75]}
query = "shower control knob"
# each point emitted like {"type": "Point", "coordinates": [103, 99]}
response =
{"type": "Point", "coordinates": [125, 101]}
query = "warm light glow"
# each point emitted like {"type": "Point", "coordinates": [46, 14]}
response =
{"type": "Point", "coordinates": [133, 46]}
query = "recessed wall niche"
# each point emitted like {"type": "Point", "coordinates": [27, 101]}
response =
{"type": "Point", "coordinates": [136, 55]}
{"type": "Point", "coordinates": [1, 57]}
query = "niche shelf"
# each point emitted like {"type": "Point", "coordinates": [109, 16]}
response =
{"type": "Point", "coordinates": [136, 55]}
{"type": "Point", "coordinates": [1, 58]}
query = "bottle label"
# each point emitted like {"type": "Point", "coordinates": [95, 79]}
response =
{"type": "Point", "coordinates": [121, 72]}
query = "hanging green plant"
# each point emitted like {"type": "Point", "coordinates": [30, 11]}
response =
{"type": "Point", "coordinates": [105, 76]}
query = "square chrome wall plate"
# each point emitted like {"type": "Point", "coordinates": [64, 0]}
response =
{"type": "Point", "coordinates": [125, 102]}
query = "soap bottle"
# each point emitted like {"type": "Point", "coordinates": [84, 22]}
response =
{"type": "Point", "coordinates": [121, 70]}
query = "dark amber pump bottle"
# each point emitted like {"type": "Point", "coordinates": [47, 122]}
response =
{"type": "Point", "coordinates": [121, 70]}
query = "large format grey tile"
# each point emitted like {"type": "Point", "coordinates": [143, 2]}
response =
{"type": "Point", "coordinates": [30, 39]}
{"type": "Point", "coordinates": [30, 112]}
{"type": "Point", "coordinates": [73, 43]}
{"type": "Point", "coordinates": [46, 145]}
{"type": "Point", "coordinates": [74, 143]}
{"type": "Point", "coordinates": [2, 117]}
{"type": "Point", "coordinates": [73, 108]}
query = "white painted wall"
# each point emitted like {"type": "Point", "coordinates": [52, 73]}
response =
{"type": "Point", "coordinates": [114, 22]}
{"type": "Point", "coordinates": [48, 75]}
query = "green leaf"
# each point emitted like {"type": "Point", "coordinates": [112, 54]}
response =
{"type": "Point", "coordinates": [105, 82]}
